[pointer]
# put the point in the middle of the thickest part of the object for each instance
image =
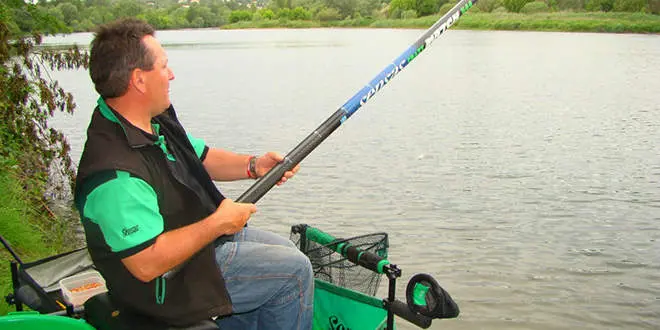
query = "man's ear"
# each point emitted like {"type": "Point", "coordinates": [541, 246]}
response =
{"type": "Point", "coordinates": [138, 80]}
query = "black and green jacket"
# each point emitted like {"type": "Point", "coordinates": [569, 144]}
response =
{"type": "Point", "coordinates": [131, 187]}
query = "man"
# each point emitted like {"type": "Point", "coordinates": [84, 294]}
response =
{"type": "Point", "coordinates": [148, 204]}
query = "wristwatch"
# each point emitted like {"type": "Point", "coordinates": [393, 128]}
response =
{"type": "Point", "coordinates": [252, 167]}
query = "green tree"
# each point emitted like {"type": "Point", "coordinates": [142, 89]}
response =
{"type": "Point", "coordinates": [127, 8]}
{"type": "Point", "coordinates": [654, 6]}
{"type": "Point", "coordinates": [515, 6]}
{"type": "Point", "coordinates": [426, 7]}
{"type": "Point", "coordinates": [267, 14]}
{"type": "Point", "coordinates": [600, 5]}
{"type": "Point", "coordinates": [630, 5]}
{"type": "Point", "coordinates": [570, 4]}
{"type": "Point", "coordinates": [30, 97]}
{"type": "Point", "coordinates": [201, 14]}
{"type": "Point", "coordinates": [535, 7]}
{"type": "Point", "coordinates": [300, 13]}
{"type": "Point", "coordinates": [69, 12]}
{"type": "Point", "coordinates": [488, 5]}
{"type": "Point", "coordinates": [399, 6]}
{"type": "Point", "coordinates": [367, 8]}
{"type": "Point", "coordinates": [345, 7]}
{"type": "Point", "coordinates": [240, 15]}
{"type": "Point", "coordinates": [328, 14]}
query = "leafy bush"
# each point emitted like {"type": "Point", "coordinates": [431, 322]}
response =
{"type": "Point", "coordinates": [445, 8]}
{"type": "Point", "coordinates": [600, 5]}
{"type": "Point", "coordinates": [29, 98]}
{"type": "Point", "coordinates": [575, 5]}
{"type": "Point", "coordinates": [409, 14]}
{"type": "Point", "coordinates": [488, 5]}
{"type": "Point", "coordinates": [654, 6]}
{"type": "Point", "coordinates": [300, 13]}
{"type": "Point", "coordinates": [283, 13]}
{"type": "Point", "coordinates": [267, 14]}
{"type": "Point", "coordinates": [535, 7]}
{"type": "Point", "coordinates": [263, 15]}
{"type": "Point", "coordinates": [328, 14]}
{"type": "Point", "coordinates": [240, 15]}
{"type": "Point", "coordinates": [629, 5]}
{"type": "Point", "coordinates": [515, 6]}
{"type": "Point", "coordinates": [426, 7]}
{"type": "Point", "coordinates": [397, 7]}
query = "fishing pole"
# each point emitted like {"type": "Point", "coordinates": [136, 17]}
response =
{"type": "Point", "coordinates": [313, 140]}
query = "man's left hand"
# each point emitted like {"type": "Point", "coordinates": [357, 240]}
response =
{"type": "Point", "coordinates": [268, 161]}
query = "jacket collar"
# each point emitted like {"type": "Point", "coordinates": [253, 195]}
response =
{"type": "Point", "coordinates": [136, 137]}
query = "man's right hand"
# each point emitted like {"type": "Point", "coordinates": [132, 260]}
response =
{"type": "Point", "coordinates": [176, 246]}
{"type": "Point", "coordinates": [232, 216]}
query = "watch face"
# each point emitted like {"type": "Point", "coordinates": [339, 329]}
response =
{"type": "Point", "coordinates": [253, 166]}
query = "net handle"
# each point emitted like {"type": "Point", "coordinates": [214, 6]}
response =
{"type": "Point", "coordinates": [366, 259]}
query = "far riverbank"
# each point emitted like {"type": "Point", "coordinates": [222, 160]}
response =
{"type": "Point", "coordinates": [556, 21]}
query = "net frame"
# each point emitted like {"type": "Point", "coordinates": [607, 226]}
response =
{"type": "Point", "coordinates": [330, 266]}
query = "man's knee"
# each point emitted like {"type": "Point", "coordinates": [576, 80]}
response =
{"type": "Point", "coordinates": [300, 265]}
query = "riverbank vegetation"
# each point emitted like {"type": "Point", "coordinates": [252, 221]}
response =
{"type": "Point", "coordinates": [640, 16]}
{"type": "Point", "coordinates": [35, 166]}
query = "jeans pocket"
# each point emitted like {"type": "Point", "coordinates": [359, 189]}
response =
{"type": "Point", "coordinates": [224, 255]}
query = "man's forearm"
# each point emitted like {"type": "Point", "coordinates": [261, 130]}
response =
{"type": "Point", "coordinates": [172, 248]}
{"type": "Point", "coordinates": [225, 165]}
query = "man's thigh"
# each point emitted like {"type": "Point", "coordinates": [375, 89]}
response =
{"type": "Point", "coordinates": [251, 234]}
{"type": "Point", "coordinates": [260, 268]}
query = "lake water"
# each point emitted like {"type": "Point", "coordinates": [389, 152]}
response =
{"type": "Point", "coordinates": [520, 169]}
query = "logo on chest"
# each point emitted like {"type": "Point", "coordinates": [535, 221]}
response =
{"type": "Point", "coordinates": [130, 230]}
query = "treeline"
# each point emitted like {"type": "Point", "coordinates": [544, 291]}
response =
{"type": "Point", "coordinates": [84, 15]}
{"type": "Point", "coordinates": [35, 165]}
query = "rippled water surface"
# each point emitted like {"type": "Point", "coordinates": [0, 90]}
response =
{"type": "Point", "coordinates": [522, 170]}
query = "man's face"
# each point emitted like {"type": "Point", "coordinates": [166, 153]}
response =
{"type": "Point", "coordinates": [157, 80]}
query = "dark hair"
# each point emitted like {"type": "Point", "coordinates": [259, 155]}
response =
{"type": "Point", "coordinates": [117, 49]}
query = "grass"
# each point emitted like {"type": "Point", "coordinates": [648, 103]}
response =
{"type": "Point", "coordinates": [555, 21]}
{"type": "Point", "coordinates": [564, 21]}
{"type": "Point", "coordinates": [31, 236]}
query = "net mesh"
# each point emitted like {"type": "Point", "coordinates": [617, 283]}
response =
{"type": "Point", "coordinates": [334, 268]}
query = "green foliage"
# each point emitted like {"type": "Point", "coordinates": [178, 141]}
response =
{"type": "Point", "coordinates": [564, 21]}
{"type": "Point", "coordinates": [127, 8]}
{"type": "Point", "coordinates": [630, 5]}
{"type": "Point", "coordinates": [328, 14]}
{"type": "Point", "coordinates": [408, 14]}
{"type": "Point", "coordinates": [69, 12]}
{"type": "Point", "coordinates": [33, 156]}
{"type": "Point", "coordinates": [515, 6]}
{"type": "Point", "coordinates": [345, 7]}
{"type": "Point", "coordinates": [426, 7]}
{"type": "Point", "coordinates": [535, 7]}
{"type": "Point", "coordinates": [654, 6]}
{"type": "Point", "coordinates": [30, 98]}
{"type": "Point", "coordinates": [240, 15]}
{"type": "Point", "coordinates": [575, 5]}
{"type": "Point", "coordinates": [299, 13]}
{"type": "Point", "coordinates": [368, 8]}
{"type": "Point", "coordinates": [488, 5]}
{"type": "Point", "coordinates": [266, 13]}
{"type": "Point", "coordinates": [397, 7]}
{"type": "Point", "coordinates": [445, 8]}
{"type": "Point", "coordinates": [81, 15]}
{"type": "Point", "coordinates": [599, 5]}
{"type": "Point", "coordinates": [283, 14]}
{"type": "Point", "coordinates": [31, 234]}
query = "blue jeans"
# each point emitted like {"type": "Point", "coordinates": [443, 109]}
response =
{"type": "Point", "coordinates": [269, 280]}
